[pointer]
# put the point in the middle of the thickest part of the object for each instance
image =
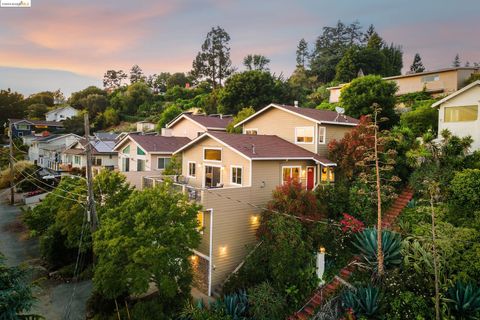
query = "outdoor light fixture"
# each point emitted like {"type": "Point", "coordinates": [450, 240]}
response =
{"type": "Point", "coordinates": [223, 250]}
{"type": "Point", "coordinates": [254, 220]}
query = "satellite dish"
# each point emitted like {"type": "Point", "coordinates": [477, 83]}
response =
{"type": "Point", "coordinates": [340, 110]}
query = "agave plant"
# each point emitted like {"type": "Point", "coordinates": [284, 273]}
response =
{"type": "Point", "coordinates": [464, 301]}
{"type": "Point", "coordinates": [366, 243]}
{"type": "Point", "coordinates": [234, 305]}
{"type": "Point", "coordinates": [363, 301]}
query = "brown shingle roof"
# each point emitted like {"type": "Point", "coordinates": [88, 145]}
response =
{"type": "Point", "coordinates": [151, 143]}
{"type": "Point", "coordinates": [209, 122]}
{"type": "Point", "coordinates": [258, 147]}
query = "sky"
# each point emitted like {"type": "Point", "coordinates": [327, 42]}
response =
{"type": "Point", "coordinates": [68, 45]}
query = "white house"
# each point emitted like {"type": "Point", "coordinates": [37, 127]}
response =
{"type": "Point", "coordinates": [46, 151]}
{"type": "Point", "coordinates": [458, 112]}
{"type": "Point", "coordinates": [61, 114]}
{"type": "Point", "coordinates": [145, 126]}
{"type": "Point", "coordinates": [103, 155]}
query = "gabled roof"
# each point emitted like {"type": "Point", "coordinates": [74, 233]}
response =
{"type": "Point", "coordinates": [154, 143]}
{"type": "Point", "coordinates": [206, 122]}
{"type": "Point", "coordinates": [38, 122]}
{"type": "Point", "coordinates": [52, 137]}
{"type": "Point", "coordinates": [106, 136]}
{"type": "Point", "coordinates": [60, 109]}
{"type": "Point", "coordinates": [315, 115]}
{"type": "Point", "coordinates": [456, 93]}
{"type": "Point", "coordinates": [261, 147]}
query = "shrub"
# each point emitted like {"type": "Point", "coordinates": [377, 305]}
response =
{"type": "Point", "coordinates": [366, 243]}
{"type": "Point", "coordinates": [464, 301]}
{"type": "Point", "coordinates": [364, 301]}
{"type": "Point", "coordinates": [420, 120]}
{"type": "Point", "coordinates": [465, 194]}
{"type": "Point", "coordinates": [266, 303]}
{"type": "Point", "coordinates": [408, 306]}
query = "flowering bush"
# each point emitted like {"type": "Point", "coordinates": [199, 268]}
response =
{"type": "Point", "coordinates": [350, 224]}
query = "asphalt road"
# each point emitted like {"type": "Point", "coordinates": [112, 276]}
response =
{"type": "Point", "coordinates": [55, 300]}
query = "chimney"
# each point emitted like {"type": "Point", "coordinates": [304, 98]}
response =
{"type": "Point", "coordinates": [295, 103]}
{"type": "Point", "coordinates": [253, 149]}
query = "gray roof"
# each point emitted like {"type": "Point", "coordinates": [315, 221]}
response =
{"type": "Point", "coordinates": [106, 136]}
{"type": "Point", "coordinates": [103, 146]}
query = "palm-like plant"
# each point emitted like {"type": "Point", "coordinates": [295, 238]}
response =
{"type": "Point", "coordinates": [366, 243]}
{"type": "Point", "coordinates": [364, 301]}
{"type": "Point", "coordinates": [464, 301]}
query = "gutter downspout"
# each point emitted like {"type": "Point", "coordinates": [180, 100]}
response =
{"type": "Point", "coordinates": [210, 265]}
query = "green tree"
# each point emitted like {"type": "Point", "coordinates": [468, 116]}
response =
{"type": "Point", "coordinates": [37, 111]}
{"type": "Point", "coordinates": [136, 74]}
{"type": "Point", "coordinates": [456, 61]}
{"type": "Point", "coordinates": [465, 196]}
{"type": "Point", "coordinates": [111, 117]}
{"type": "Point", "coordinates": [45, 97]}
{"type": "Point", "coordinates": [16, 294]}
{"type": "Point", "coordinates": [358, 97]}
{"type": "Point", "coordinates": [177, 79]}
{"type": "Point", "coordinates": [256, 62]}
{"type": "Point", "coordinates": [213, 61]}
{"type": "Point", "coordinates": [76, 98]}
{"type": "Point", "coordinates": [302, 53]}
{"type": "Point", "coordinates": [301, 84]}
{"type": "Point", "coordinates": [368, 59]}
{"type": "Point", "coordinates": [112, 79]}
{"type": "Point", "coordinates": [249, 88]}
{"type": "Point", "coordinates": [393, 60]}
{"type": "Point", "coordinates": [75, 125]}
{"type": "Point", "coordinates": [417, 64]}
{"type": "Point", "coordinates": [170, 113]}
{"type": "Point", "coordinates": [242, 115]}
{"type": "Point", "coordinates": [421, 119]}
{"type": "Point", "coordinates": [136, 95]}
{"type": "Point", "coordinates": [150, 237]}
{"type": "Point", "coordinates": [11, 106]}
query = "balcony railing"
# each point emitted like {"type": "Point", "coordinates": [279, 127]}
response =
{"type": "Point", "coordinates": [177, 183]}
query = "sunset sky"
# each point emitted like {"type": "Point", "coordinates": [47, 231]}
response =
{"type": "Point", "coordinates": [70, 44]}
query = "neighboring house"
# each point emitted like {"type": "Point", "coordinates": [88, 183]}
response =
{"type": "Point", "coordinates": [192, 125]}
{"type": "Point", "coordinates": [46, 151]}
{"type": "Point", "coordinates": [25, 127]}
{"type": "Point", "coordinates": [145, 126]}
{"type": "Point", "coordinates": [106, 136]}
{"type": "Point", "coordinates": [458, 113]}
{"type": "Point", "coordinates": [232, 176]}
{"type": "Point", "coordinates": [103, 155]}
{"type": "Point", "coordinates": [61, 114]}
{"type": "Point", "coordinates": [137, 152]}
{"type": "Point", "coordinates": [436, 82]}
{"type": "Point", "coordinates": [310, 129]}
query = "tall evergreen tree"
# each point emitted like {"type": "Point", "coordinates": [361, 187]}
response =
{"type": "Point", "coordinates": [393, 60]}
{"type": "Point", "coordinates": [417, 65]}
{"type": "Point", "coordinates": [256, 62]}
{"type": "Point", "coordinates": [302, 53]}
{"type": "Point", "coordinates": [136, 74]}
{"type": "Point", "coordinates": [456, 61]}
{"type": "Point", "coordinates": [213, 61]}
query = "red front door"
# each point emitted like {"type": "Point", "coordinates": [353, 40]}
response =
{"type": "Point", "coordinates": [310, 178]}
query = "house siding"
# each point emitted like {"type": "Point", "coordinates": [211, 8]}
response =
{"type": "Point", "coordinates": [186, 128]}
{"type": "Point", "coordinates": [333, 132]}
{"type": "Point", "coordinates": [280, 123]}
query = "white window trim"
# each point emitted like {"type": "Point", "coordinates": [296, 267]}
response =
{"type": "Point", "coordinates": [313, 135]}
{"type": "Point", "coordinates": [205, 172]}
{"type": "Point", "coordinates": [158, 158]}
{"type": "Point", "coordinates": [250, 129]}
{"type": "Point", "coordinates": [188, 169]}
{"type": "Point", "coordinates": [291, 167]}
{"type": "Point", "coordinates": [231, 175]}
{"type": "Point", "coordinates": [212, 148]}
{"type": "Point", "coordinates": [324, 135]}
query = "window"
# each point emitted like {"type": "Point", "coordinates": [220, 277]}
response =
{"type": "Point", "coordinates": [236, 175]}
{"type": "Point", "coordinates": [140, 165]}
{"type": "Point", "coordinates": [322, 135]}
{"type": "Point", "coordinates": [290, 173]}
{"type": "Point", "coordinates": [431, 78]}
{"type": "Point", "coordinates": [192, 169]}
{"type": "Point", "coordinates": [125, 164]}
{"type": "Point", "coordinates": [251, 131]}
{"type": "Point", "coordinates": [126, 150]}
{"type": "Point", "coordinates": [457, 114]}
{"type": "Point", "coordinates": [162, 163]}
{"type": "Point", "coordinates": [96, 161]}
{"type": "Point", "coordinates": [212, 177]}
{"type": "Point", "coordinates": [328, 175]}
{"type": "Point", "coordinates": [140, 152]}
{"type": "Point", "coordinates": [22, 126]}
{"type": "Point", "coordinates": [212, 154]}
{"type": "Point", "coordinates": [304, 135]}
{"type": "Point", "coordinates": [76, 159]}
{"type": "Point", "coordinates": [201, 221]}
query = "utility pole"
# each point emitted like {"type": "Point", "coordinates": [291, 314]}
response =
{"type": "Point", "coordinates": [12, 175]}
{"type": "Point", "coordinates": [91, 211]}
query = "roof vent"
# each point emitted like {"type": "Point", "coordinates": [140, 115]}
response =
{"type": "Point", "coordinates": [295, 103]}
{"type": "Point", "coordinates": [253, 149]}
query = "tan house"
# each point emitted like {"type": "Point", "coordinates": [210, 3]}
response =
{"type": "Point", "coordinates": [145, 126]}
{"type": "Point", "coordinates": [192, 125]}
{"type": "Point", "coordinates": [437, 82]}
{"type": "Point", "coordinates": [310, 129]}
{"type": "Point", "coordinates": [233, 176]}
{"type": "Point", "coordinates": [458, 113]}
